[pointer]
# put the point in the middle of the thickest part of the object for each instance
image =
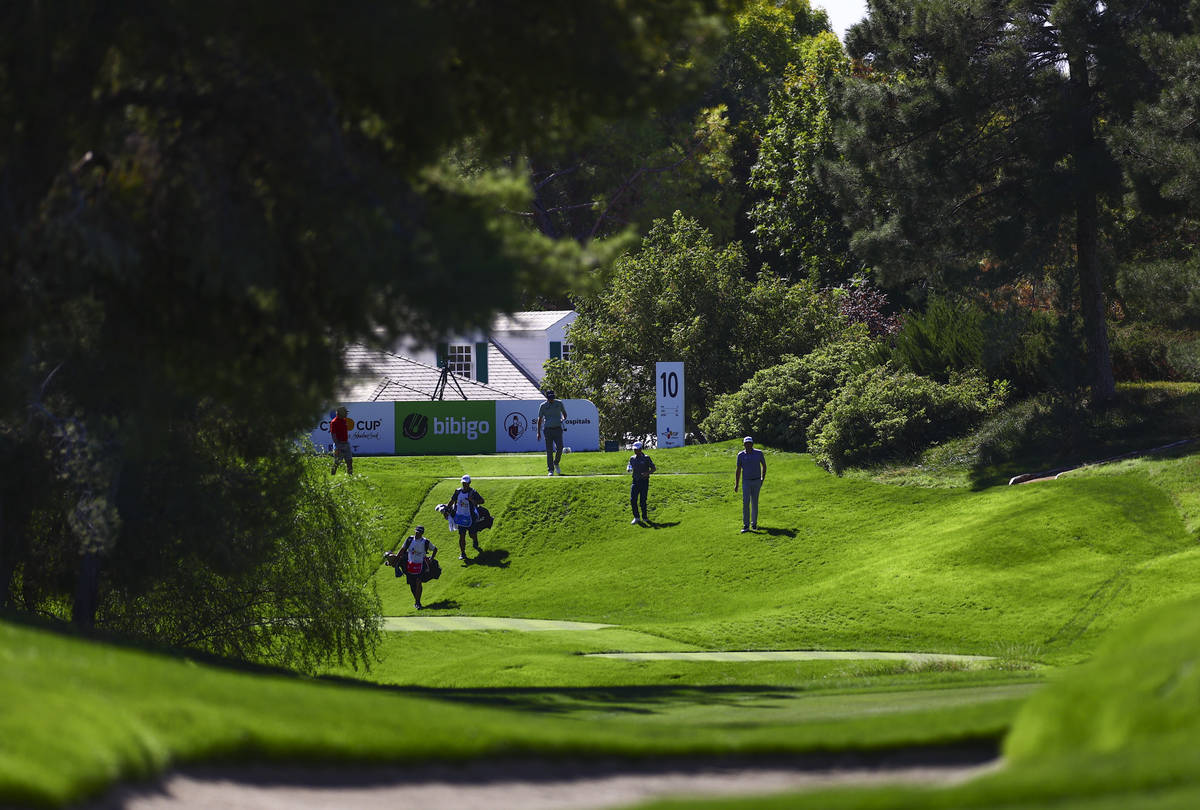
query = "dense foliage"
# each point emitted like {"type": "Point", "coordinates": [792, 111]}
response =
{"type": "Point", "coordinates": [778, 404]}
{"type": "Point", "coordinates": [885, 414]}
{"type": "Point", "coordinates": [680, 296]}
{"type": "Point", "coordinates": [199, 206]}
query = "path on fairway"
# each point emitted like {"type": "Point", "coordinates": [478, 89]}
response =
{"type": "Point", "coordinates": [538, 784]}
{"type": "Point", "coordinates": [421, 624]}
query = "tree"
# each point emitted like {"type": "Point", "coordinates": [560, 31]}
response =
{"type": "Point", "coordinates": [797, 224]}
{"type": "Point", "coordinates": [1160, 151]}
{"type": "Point", "coordinates": [977, 142]}
{"type": "Point", "coordinates": [682, 297]}
{"type": "Point", "coordinates": [200, 204]}
{"type": "Point", "coordinates": [694, 155]}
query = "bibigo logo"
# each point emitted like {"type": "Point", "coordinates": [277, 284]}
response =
{"type": "Point", "coordinates": [455, 426]}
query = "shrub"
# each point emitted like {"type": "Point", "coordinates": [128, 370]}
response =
{"type": "Point", "coordinates": [887, 413]}
{"type": "Point", "coordinates": [1034, 350]}
{"type": "Point", "coordinates": [1141, 352]}
{"type": "Point", "coordinates": [946, 337]}
{"type": "Point", "coordinates": [777, 404]}
{"type": "Point", "coordinates": [1163, 292]}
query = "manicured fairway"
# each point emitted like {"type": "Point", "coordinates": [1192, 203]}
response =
{"type": "Point", "coordinates": [1032, 578]}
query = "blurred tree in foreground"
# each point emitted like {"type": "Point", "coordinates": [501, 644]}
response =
{"type": "Point", "coordinates": [200, 203]}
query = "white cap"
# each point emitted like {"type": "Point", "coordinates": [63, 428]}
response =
{"type": "Point", "coordinates": [466, 479]}
{"type": "Point", "coordinates": [748, 439]}
{"type": "Point", "coordinates": [637, 445]}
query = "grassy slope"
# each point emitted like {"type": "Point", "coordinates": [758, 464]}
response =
{"type": "Point", "coordinates": [1118, 732]}
{"type": "Point", "coordinates": [78, 715]}
{"type": "Point", "coordinates": [840, 564]}
{"type": "Point", "coordinates": [844, 564]}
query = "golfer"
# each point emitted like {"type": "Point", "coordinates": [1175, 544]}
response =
{"type": "Point", "coordinates": [339, 429]}
{"type": "Point", "coordinates": [414, 550]}
{"type": "Point", "coordinates": [641, 465]}
{"type": "Point", "coordinates": [552, 413]}
{"type": "Point", "coordinates": [461, 509]}
{"type": "Point", "coordinates": [754, 464]}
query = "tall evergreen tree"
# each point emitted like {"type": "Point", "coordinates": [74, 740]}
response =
{"type": "Point", "coordinates": [976, 143]}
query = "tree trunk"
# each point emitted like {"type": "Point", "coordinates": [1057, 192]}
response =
{"type": "Point", "coordinates": [1087, 236]}
{"type": "Point", "coordinates": [1091, 299]}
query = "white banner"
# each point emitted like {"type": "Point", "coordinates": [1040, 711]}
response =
{"type": "Point", "coordinates": [668, 382]}
{"type": "Point", "coordinates": [373, 432]}
{"type": "Point", "coordinates": [516, 426]}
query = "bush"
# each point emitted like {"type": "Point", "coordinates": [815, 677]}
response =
{"type": "Point", "coordinates": [1141, 352]}
{"type": "Point", "coordinates": [946, 337]}
{"type": "Point", "coordinates": [1163, 292]}
{"type": "Point", "coordinates": [1034, 350]}
{"type": "Point", "coordinates": [777, 404]}
{"type": "Point", "coordinates": [886, 414]}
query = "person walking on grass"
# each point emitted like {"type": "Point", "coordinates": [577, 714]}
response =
{"type": "Point", "coordinates": [412, 556]}
{"type": "Point", "coordinates": [461, 509]}
{"type": "Point", "coordinates": [552, 412]}
{"type": "Point", "coordinates": [339, 429]}
{"type": "Point", "coordinates": [754, 464]}
{"type": "Point", "coordinates": [641, 465]}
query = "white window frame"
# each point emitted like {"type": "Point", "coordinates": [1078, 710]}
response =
{"type": "Point", "coordinates": [567, 350]}
{"type": "Point", "coordinates": [460, 360]}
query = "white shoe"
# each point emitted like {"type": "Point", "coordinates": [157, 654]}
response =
{"type": "Point", "coordinates": [557, 471]}
{"type": "Point", "coordinates": [550, 473]}
{"type": "Point", "coordinates": [634, 522]}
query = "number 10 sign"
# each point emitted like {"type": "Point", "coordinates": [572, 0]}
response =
{"type": "Point", "coordinates": [668, 378]}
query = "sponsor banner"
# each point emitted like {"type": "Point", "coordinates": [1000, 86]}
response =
{"type": "Point", "coordinates": [428, 428]}
{"type": "Point", "coordinates": [517, 426]}
{"type": "Point", "coordinates": [464, 427]}
{"type": "Point", "coordinates": [372, 433]}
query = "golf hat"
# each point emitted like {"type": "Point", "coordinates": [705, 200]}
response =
{"type": "Point", "coordinates": [343, 411]}
{"type": "Point", "coordinates": [419, 529]}
{"type": "Point", "coordinates": [748, 440]}
{"type": "Point", "coordinates": [637, 445]}
{"type": "Point", "coordinates": [466, 479]}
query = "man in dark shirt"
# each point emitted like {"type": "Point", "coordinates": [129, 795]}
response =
{"type": "Point", "coordinates": [641, 465]}
{"type": "Point", "coordinates": [551, 415]}
{"type": "Point", "coordinates": [754, 464]}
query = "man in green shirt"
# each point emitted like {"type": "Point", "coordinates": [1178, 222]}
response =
{"type": "Point", "coordinates": [552, 413]}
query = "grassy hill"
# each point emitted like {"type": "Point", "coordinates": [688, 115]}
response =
{"type": "Point", "coordinates": [1040, 573]}
{"type": "Point", "coordinates": [837, 564]}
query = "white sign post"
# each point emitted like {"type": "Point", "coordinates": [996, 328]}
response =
{"type": "Point", "coordinates": [668, 381]}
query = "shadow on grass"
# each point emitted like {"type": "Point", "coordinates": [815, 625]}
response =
{"type": "Point", "coordinates": [650, 524]}
{"type": "Point", "coordinates": [774, 532]}
{"type": "Point", "coordinates": [443, 604]}
{"type": "Point", "coordinates": [491, 557]}
{"type": "Point", "coordinates": [639, 700]}
{"type": "Point", "coordinates": [1048, 434]}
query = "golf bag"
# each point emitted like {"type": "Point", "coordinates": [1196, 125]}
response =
{"type": "Point", "coordinates": [483, 519]}
{"type": "Point", "coordinates": [432, 569]}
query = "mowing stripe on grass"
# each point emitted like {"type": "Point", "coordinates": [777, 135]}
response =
{"type": "Point", "coordinates": [795, 655]}
{"type": "Point", "coordinates": [409, 624]}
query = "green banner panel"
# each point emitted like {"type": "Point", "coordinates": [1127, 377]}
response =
{"type": "Point", "coordinates": [445, 427]}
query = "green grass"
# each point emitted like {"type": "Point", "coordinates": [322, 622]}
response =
{"type": "Point", "coordinates": [1037, 575]}
{"type": "Point", "coordinates": [840, 564]}
{"type": "Point", "coordinates": [1120, 731]}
